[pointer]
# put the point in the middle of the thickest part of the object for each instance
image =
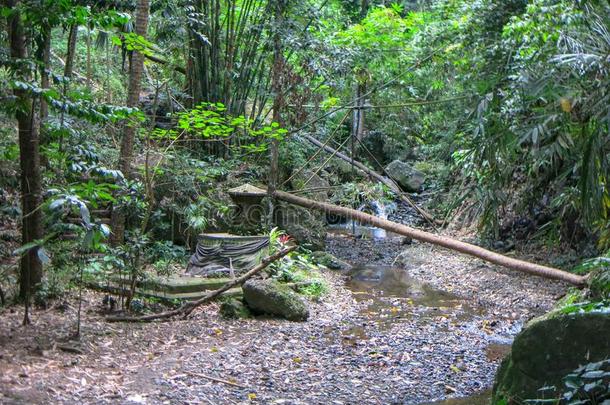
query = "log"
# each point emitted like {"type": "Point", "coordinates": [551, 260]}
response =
{"type": "Point", "coordinates": [449, 243]}
{"type": "Point", "coordinates": [391, 184]}
{"type": "Point", "coordinates": [186, 309]}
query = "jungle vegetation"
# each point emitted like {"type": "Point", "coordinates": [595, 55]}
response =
{"type": "Point", "coordinates": [124, 122]}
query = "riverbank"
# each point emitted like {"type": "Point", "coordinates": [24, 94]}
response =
{"type": "Point", "coordinates": [437, 329]}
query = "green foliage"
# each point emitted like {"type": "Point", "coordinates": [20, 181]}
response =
{"type": "Point", "coordinates": [362, 193]}
{"type": "Point", "coordinates": [298, 266]}
{"type": "Point", "coordinates": [209, 120]}
{"type": "Point", "coordinates": [134, 42]}
{"type": "Point", "coordinates": [589, 384]}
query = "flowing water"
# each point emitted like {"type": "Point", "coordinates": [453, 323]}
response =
{"type": "Point", "coordinates": [369, 232]}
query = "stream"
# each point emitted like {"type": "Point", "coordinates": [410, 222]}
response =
{"type": "Point", "coordinates": [390, 297]}
{"type": "Point", "coordinates": [408, 323]}
{"type": "Point", "coordinates": [389, 294]}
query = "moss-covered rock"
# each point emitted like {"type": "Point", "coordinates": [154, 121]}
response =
{"type": "Point", "coordinates": [234, 308]}
{"type": "Point", "coordinates": [410, 179]}
{"type": "Point", "coordinates": [329, 261]}
{"type": "Point", "coordinates": [273, 298]}
{"type": "Point", "coordinates": [549, 348]}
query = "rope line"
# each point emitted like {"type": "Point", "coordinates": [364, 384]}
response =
{"type": "Point", "coordinates": [318, 151]}
{"type": "Point", "coordinates": [324, 164]}
{"type": "Point", "coordinates": [368, 93]}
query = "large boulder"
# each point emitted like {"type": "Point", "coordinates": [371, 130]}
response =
{"type": "Point", "coordinates": [273, 298]}
{"type": "Point", "coordinates": [548, 349]}
{"type": "Point", "coordinates": [409, 178]}
{"type": "Point", "coordinates": [308, 227]}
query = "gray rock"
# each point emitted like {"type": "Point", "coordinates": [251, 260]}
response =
{"type": "Point", "coordinates": [273, 298]}
{"type": "Point", "coordinates": [409, 178]}
{"type": "Point", "coordinates": [306, 226]}
{"type": "Point", "coordinates": [549, 348]}
{"type": "Point", "coordinates": [307, 179]}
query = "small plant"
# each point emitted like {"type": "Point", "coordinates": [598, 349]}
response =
{"type": "Point", "coordinates": [587, 385]}
{"type": "Point", "coordinates": [297, 267]}
{"type": "Point", "coordinates": [599, 276]}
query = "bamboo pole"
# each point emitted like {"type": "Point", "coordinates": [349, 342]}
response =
{"type": "Point", "coordinates": [390, 183]}
{"type": "Point", "coordinates": [449, 243]}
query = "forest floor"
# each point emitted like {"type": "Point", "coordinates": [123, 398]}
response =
{"type": "Point", "coordinates": [443, 334]}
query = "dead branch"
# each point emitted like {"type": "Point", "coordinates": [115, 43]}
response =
{"type": "Point", "coordinates": [449, 243]}
{"type": "Point", "coordinates": [209, 377]}
{"type": "Point", "coordinates": [188, 307]}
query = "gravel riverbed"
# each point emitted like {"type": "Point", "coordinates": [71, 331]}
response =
{"type": "Point", "coordinates": [437, 328]}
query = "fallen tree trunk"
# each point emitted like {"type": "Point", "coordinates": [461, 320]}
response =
{"type": "Point", "coordinates": [449, 243]}
{"type": "Point", "coordinates": [391, 184]}
{"type": "Point", "coordinates": [186, 309]}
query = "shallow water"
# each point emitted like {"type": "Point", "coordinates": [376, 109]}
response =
{"type": "Point", "coordinates": [389, 293]}
{"type": "Point", "coordinates": [383, 285]}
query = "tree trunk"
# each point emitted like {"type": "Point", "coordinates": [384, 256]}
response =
{"type": "Point", "coordinates": [89, 68]}
{"type": "Point", "coordinates": [71, 52]}
{"type": "Point", "coordinates": [31, 184]}
{"type": "Point", "coordinates": [129, 132]}
{"type": "Point", "coordinates": [361, 112]}
{"type": "Point", "coordinates": [278, 102]}
{"type": "Point", "coordinates": [453, 244]}
{"type": "Point", "coordinates": [44, 56]}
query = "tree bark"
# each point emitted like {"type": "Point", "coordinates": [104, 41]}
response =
{"type": "Point", "coordinates": [29, 154]}
{"type": "Point", "coordinates": [44, 56]}
{"type": "Point", "coordinates": [71, 51]}
{"type": "Point", "coordinates": [129, 132]}
{"type": "Point", "coordinates": [449, 243]}
{"type": "Point", "coordinates": [186, 309]}
{"type": "Point", "coordinates": [278, 101]}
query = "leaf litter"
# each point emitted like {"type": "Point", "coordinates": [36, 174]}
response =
{"type": "Point", "coordinates": [359, 346]}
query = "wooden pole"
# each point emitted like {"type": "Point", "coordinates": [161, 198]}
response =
{"type": "Point", "coordinates": [449, 243]}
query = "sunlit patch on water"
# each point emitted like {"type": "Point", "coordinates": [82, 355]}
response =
{"type": "Point", "coordinates": [389, 289]}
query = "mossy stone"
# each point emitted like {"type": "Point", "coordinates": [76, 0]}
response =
{"type": "Point", "coordinates": [273, 298]}
{"type": "Point", "coordinates": [329, 261]}
{"type": "Point", "coordinates": [233, 308]}
{"type": "Point", "coordinates": [549, 348]}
